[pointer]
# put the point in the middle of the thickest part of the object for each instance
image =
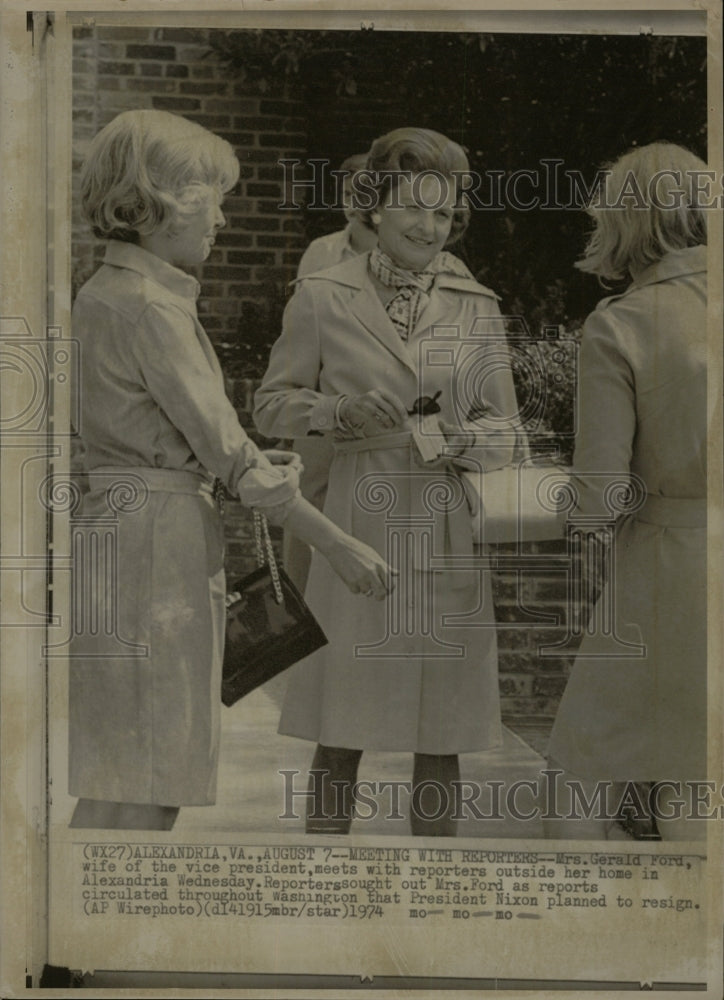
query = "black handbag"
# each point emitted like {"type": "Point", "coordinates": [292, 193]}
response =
{"type": "Point", "coordinates": [268, 625]}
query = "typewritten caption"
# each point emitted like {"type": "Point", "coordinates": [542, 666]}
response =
{"type": "Point", "coordinates": [371, 883]}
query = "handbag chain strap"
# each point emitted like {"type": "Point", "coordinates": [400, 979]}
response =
{"type": "Point", "coordinates": [265, 553]}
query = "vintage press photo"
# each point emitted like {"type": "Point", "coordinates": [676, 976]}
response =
{"type": "Point", "coordinates": [380, 241]}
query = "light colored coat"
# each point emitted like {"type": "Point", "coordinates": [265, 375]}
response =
{"type": "Point", "coordinates": [316, 452]}
{"type": "Point", "coordinates": [409, 673]}
{"type": "Point", "coordinates": [643, 410]}
{"type": "Point", "coordinates": [157, 427]}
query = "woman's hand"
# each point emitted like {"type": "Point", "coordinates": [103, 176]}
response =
{"type": "Point", "coordinates": [385, 408]}
{"type": "Point", "coordinates": [289, 458]}
{"type": "Point", "coordinates": [361, 568]}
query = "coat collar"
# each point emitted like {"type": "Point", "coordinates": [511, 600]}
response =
{"type": "Point", "coordinates": [690, 260]}
{"type": "Point", "coordinates": [354, 274]}
{"type": "Point", "coordinates": [366, 306]}
{"type": "Point", "coordinates": [148, 265]}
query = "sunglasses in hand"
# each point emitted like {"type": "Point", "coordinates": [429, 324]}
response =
{"type": "Point", "coordinates": [426, 406]}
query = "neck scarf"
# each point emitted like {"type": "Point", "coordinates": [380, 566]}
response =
{"type": "Point", "coordinates": [413, 287]}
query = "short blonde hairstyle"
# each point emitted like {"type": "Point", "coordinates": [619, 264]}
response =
{"type": "Point", "coordinates": [147, 169]}
{"type": "Point", "coordinates": [417, 151]}
{"type": "Point", "coordinates": [646, 206]}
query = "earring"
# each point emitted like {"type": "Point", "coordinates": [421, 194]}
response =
{"type": "Point", "coordinates": [376, 218]}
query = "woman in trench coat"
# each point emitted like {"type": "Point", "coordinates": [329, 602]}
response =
{"type": "Point", "coordinates": [638, 712]}
{"type": "Point", "coordinates": [149, 588]}
{"type": "Point", "coordinates": [361, 342]}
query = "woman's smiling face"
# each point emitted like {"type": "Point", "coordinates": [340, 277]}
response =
{"type": "Point", "coordinates": [415, 220]}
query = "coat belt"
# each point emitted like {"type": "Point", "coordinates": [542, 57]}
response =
{"type": "Point", "coordinates": [126, 482]}
{"type": "Point", "coordinates": [454, 526]}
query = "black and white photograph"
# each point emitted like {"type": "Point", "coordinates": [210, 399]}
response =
{"type": "Point", "coordinates": [362, 458]}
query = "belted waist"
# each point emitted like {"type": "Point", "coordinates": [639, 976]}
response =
{"type": "Point", "coordinates": [673, 512]}
{"type": "Point", "coordinates": [378, 442]}
{"type": "Point", "coordinates": [451, 524]}
{"type": "Point", "coordinates": [135, 477]}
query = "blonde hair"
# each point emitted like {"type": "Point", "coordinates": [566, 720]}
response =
{"type": "Point", "coordinates": [417, 150]}
{"type": "Point", "coordinates": [645, 207]}
{"type": "Point", "coordinates": [147, 169]}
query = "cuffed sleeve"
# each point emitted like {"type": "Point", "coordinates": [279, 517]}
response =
{"type": "Point", "coordinates": [268, 485]}
{"type": "Point", "coordinates": [324, 414]}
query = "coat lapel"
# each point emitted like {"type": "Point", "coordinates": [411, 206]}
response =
{"type": "Point", "coordinates": [441, 309]}
{"type": "Point", "coordinates": [366, 307]}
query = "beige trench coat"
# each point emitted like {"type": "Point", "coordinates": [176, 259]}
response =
{"type": "Point", "coordinates": [643, 410]}
{"type": "Point", "coordinates": [419, 671]}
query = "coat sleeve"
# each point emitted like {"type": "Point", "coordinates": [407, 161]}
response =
{"type": "Point", "coordinates": [606, 416]}
{"type": "Point", "coordinates": [486, 393]}
{"type": "Point", "coordinates": [288, 403]}
{"type": "Point", "coordinates": [180, 379]}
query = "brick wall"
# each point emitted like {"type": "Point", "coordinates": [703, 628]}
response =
{"type": "Point", "coordinates": [172, 69]}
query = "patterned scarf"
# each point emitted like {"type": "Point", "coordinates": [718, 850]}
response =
{"type": "Point", "coordinates": [405, 306]}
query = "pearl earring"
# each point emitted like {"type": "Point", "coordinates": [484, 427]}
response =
{"type": "Point", "coordinates": [376, 218]}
